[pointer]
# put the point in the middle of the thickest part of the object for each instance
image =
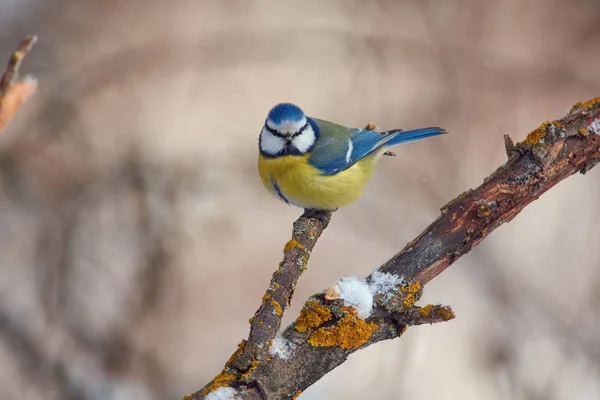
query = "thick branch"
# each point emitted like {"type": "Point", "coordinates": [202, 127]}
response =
{"type": "Point", "coordinates": [354, 314]}
{"type": "Point", "coordinates": [13, 94]}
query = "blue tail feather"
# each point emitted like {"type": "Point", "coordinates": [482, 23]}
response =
{"type": "Point", "coordinates": [415, 134]}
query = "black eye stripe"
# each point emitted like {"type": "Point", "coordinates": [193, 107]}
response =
{"type": "Point", "coordinates": [273, 131]}
{"type": "Point", "coordinates": [279, 134]}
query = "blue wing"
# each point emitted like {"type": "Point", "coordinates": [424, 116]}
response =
{"type": "Point", "coordinates": [338, 147]}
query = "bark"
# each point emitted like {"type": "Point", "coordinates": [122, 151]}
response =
{"type": "Point", "coordinates": [328, 330]}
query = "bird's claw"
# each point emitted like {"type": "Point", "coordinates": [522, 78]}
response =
{"type": "Point", "coordinates": [322, 215]}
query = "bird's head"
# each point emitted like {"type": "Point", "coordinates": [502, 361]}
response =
{"type": "Point", "coordinates": [287, 131]}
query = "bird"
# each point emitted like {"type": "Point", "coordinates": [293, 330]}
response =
{"type": "Point", "coordinates": [319, 165]}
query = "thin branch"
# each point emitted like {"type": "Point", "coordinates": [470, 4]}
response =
{"type": "Point", "coordinates": [267, 320]}
{"type": "Point", "coordinates": [355, 313]}
{"type": "Point", "coordinates": [13, 94]}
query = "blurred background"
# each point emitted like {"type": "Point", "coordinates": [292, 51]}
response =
{"type": "Point", "coordinates": [136, 238]}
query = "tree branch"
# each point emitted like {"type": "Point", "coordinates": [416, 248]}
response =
{"type": "Point", "coordinates": [14, 94]}
{"type": "Point", "coordinates": [355, 313]}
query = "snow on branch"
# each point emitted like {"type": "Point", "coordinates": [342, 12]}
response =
{"type": "Point", "coordinates": [355, 313]}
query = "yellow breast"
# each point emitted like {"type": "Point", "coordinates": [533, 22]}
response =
{"type": "Point", "coordinates": [294, 180]}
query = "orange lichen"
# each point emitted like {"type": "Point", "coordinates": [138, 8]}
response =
{"type": "Point", "coordinates": [409, 300]}
{"type": "Point", "coordinates": [483, 211]}
{"type": "Point", "coordinates": [586, 104]}
{"type": "Point", "coordinates": [237, 353]}
{"type": "Point", "coordinates": [292, 244]}
{"type": "Point", "coordinates": [277, 307]}
{"type": "Point", "coordinates": [412, 288]}
{"type": "Point", "coordinates": [303, 263]}
{"type": "Point", "coordinates": [312, 315]}
{"type": "Point", "coordinates": [446, 313]}
{"type": "Point", "coordinates": [298, 393]}
{"type": "Point", "coordinates": [224, 379]}
{"type": "Point", "coordinates": [275, 286]}
{"type": "Point", "coordinates": [425, 311]}
{"type": "Point", "coordinates": [535, 136]}
{"type": "Point", "coordinates": [349, 332]}
{"type": "Point", "coordinates": [266, 297]}
{"type": "Point", "coordinates": [253, 366]}
{"type": "Point", "coordinates": [410, 293]}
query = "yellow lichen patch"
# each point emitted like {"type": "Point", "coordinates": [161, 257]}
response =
{"type": "Point", "coordinates": [586, 104]}
{"type": "Point", "coordinates": [409, 300]}
{"type": "Point", "coordinates": [312, 315]}
{"type": "Point", "coordinates": [412, 288]}
{"type": "Point", "coordinates": [446, 313]}
{"type": "Point", "coordinates": [298, 393]}
{"type": "Point", "coordinates": [277, 307]}
{"type": "Point", "coordinates": [266, 297]}
{"type": "Point", "coordinates": [188, 396]}
{"type": "Point", "coordinates": [425, 311]}
{"type": "Point", "coordinates": [303, 263]}
{"type": "Point", "coordinates": [251, 320]}
{"type": "Point", "coordinates": [483, 211]}
{"type": "Point", "coordinates": [253, 366]}
{"type": "Point", "coordinates": [275, 286]}
{"type": "Point", "coordinates": [292, 244]}
{"type": "Point", "coordinates": [535, 136]}
{"type": "Point", "coordinates": [237, 353]}
{"type": "Point", "coordinates": [222, 380]}
{"type": "Point", "coordinates": [350, 332]}
{"type": "Point", "coordinates": [410, 292]}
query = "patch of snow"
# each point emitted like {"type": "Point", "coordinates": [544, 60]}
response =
{"type": "Point", "coordinates": [281, 347]}
{"type": "Point", "coordinates": [595, 126]}
{"type": "Point", "coordinates": [356, 293]}
{"type": "Point", "coordinates": [382, 282]}
{"type": "Point", "coordinates": [224, 393]}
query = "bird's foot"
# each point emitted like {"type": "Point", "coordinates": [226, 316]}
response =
{"type": "Point", "coordinates": [322, 215]}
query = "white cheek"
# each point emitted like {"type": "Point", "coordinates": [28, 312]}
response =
{"type": "Point", "coordinates": [270, 143]}
{"type": "Point", "coordinates": [305, 140]}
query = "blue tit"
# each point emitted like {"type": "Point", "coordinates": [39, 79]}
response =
{"type": "Point", "coordinates": [318, 165]}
